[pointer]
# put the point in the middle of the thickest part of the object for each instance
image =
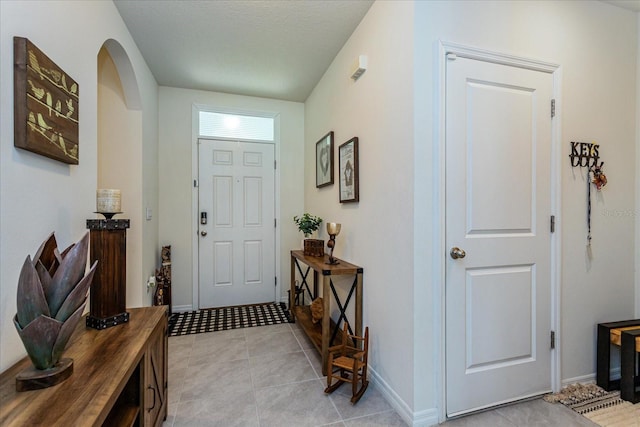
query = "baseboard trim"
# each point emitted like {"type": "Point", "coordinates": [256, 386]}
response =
{"type": "Point", "coordinates": [583, 379]}
{"type": "Point", "coordinates": [181, 308]}
{"type": "Point", "coordinates": [425, 418]}
{"type": "Point", "coordinates": [591, 378]}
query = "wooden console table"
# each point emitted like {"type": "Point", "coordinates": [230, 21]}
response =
{"type": "Point", "coordinates": [323, 334]}
{"type": "Point", "coordinates": [119, 379]}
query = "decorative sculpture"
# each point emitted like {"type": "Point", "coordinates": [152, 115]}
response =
{"type": "Point", "coordinates": [333, 230]}
{"type": "Point", "coordinates": [52, 293]}
{"type": "Point", "coordinates": [317, 310]}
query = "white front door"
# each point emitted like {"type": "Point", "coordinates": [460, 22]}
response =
{"type": "Point", "coordinates": [237, 241]}
{"type": "Point", "coordinates": [498, 207]}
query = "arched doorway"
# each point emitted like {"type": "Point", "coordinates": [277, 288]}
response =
{"type": "Point", "coordinates": [120, 152]}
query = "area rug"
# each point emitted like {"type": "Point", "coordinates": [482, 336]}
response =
{"type": "Point", "coordinates": [222, 319]}
{"type": "Point", "coordinates": [604, 408]}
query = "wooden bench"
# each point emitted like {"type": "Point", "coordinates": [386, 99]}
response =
{"type": "Point", "coordinates": [629, 348]}
{"type": "Point", "coordinates": [610, 333]}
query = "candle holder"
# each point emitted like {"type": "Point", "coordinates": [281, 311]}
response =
{"type": "Point", "coordinates": [108, 202]}
{"type": "Point", "coordinates": [333, 229]}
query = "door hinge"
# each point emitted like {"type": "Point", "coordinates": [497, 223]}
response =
{"type": "Point", "coordinates": [195, 183]}
{"type": "Point", "coordinates": [452, 56]}
{"type": "Point", "coordinates": [275, 281]}
{"type": "Point", "coordinates": [275, 223]}
{"type": "Point", "coordinates": [275, 164]}
{"type": "Point", "coordinates": [553, 339]}
{"type": "Point", "coordinates": [553, 108]}
{"type": "Point", "coordinates": [553, 223]}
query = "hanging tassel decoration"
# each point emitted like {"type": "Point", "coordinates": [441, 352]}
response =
{"type": "Point", "coordinates": [599, 180]}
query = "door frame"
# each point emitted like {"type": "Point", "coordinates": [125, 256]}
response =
{"type": "Point", "coordinates": [440, 251]}
{"type": "Point", "coordinates": [195, 209]}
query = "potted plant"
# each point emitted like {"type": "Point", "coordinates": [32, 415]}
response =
{"type": "Point", "coordinates": [308, 223]}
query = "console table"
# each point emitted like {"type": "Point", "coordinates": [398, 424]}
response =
{"type": "Point", "coordinates": [323, 334]}
{"type": "Point", "coordinates": [119, 379]}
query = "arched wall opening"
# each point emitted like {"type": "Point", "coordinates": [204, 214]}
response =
{"type": "Point", "coordinates": [119, 163]}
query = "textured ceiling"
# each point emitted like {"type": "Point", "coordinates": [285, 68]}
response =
{"type": "Point", "coordinates": [266, 48]}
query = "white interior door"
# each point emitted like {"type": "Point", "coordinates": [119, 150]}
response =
{"type": "Point", "coordinates": [498, 207]}
{"type": "Point", "coordinates": [237, 243]}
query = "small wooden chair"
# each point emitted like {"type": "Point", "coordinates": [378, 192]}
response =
{"type": "Point", "coordinates": [348, 363]}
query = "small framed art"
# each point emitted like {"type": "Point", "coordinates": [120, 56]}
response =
{"type": "Point", "coordinates": [349, 181]}
{"type": "Point", "coordinates": [324, 161]}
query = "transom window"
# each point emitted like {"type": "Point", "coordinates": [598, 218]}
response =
{"type": "Point", "coordinates": [236, 126]}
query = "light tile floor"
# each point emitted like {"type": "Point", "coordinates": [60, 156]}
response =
{"type": "Point", "coordinates": [271, 376]}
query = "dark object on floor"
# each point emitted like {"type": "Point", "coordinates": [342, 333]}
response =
{"type": "Point", "coordinates": [224, 318]}
{"type": "Point", "coordinates": [348, 363]}
{"type": "Point", "coordinates": [610, 333]}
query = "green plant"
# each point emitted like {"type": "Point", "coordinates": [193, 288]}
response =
{"type": "Point", "coordinates": [307, 223]}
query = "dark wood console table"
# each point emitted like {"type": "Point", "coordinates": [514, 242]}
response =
{"type": "Point", "coordinates": [322, 335]}
{"type": "Point", "coordinates": [119, 379]}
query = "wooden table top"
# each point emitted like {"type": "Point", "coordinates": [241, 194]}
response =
{"type": "Point", "coordinates": [103, 362]}
{"type": "Point", "coordinates": [320, 264]}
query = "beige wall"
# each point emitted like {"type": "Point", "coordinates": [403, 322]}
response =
{"type": "Point", "coordinates": [393, 231]}
{"type": "Point", "coordinates": [39, 195]}
{"type": "Point", "coordinates": [177, 140]}
{"type": "Point", "coordinates": [637, 211]}
{"type": "Point", "coordinates": [596, 45]}
{"type": "Point", "coordinates": [377, 233]}
{"type": "Point", "coordinates": [119, 159]}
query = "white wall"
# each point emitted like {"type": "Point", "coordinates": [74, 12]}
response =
{"type": "Point", "coordinates": [377, 232]}
{"type": "Point", "coordinates": [39, 195]}
{"type": "Point", "coordinates": [595, 43]}
{"type": "Point", "coordinates": [392, 108]}
{"type": "Point", "coordinates": [176, 177]}
{"type": "Point", "coordinates": [637, 211]}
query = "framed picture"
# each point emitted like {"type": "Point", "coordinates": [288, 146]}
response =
{"type": "Point", "coordinates": [45, 105]}
{"type": "Point", "coordinates": [349, 185]}
{"type": "Point", "coordinates": [324, 161]}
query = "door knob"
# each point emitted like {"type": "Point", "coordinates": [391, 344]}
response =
{"type": "Point", "coordinates": [203, 233]}
{"type": "Point", "coordinates": [457, 253]}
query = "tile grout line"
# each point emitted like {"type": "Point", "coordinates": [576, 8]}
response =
{"type": "Point", "coordinates": [253, 383]}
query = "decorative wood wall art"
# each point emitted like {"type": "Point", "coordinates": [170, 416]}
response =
{"type": "Point", "coordinates": [45, 105]}
{"type": "Point", "coordinates": [349, 171]}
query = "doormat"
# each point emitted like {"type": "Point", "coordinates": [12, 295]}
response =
{"type": "Point", "coordinates": [604, 408]}
{"type": "Point", "coordinates": [225, 318]}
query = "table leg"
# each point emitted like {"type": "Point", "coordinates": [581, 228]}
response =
{"type": "Point", "coordinates": [326, 324]}
{"type": "Point", "coordinates": [359, 304]}
{"type": "Point", "coordinates": [292, 292]}
{"type": "Point", "coordinates": [628, 378]}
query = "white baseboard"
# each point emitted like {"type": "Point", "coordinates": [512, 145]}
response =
{"type": "Point", "coordinates": [428, 417]}
{"type": "Point", "coordinates": [584, 379]}
{"type": "Point", "coordinates": [591, 378]}
{"type": "Point", "coordinates": [181, 308]}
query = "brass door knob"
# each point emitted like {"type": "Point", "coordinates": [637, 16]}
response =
{"type": "Point", "coordinates": [457, 253]}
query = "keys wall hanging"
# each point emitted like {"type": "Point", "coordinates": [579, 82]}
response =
{"type": "Point", "coordinates": [587, 155]}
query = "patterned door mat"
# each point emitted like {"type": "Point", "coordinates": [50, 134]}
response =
{"type": "Point", "coordinates": [224, 318]}
{"type": "Point", "coordinates": [604, 408]}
